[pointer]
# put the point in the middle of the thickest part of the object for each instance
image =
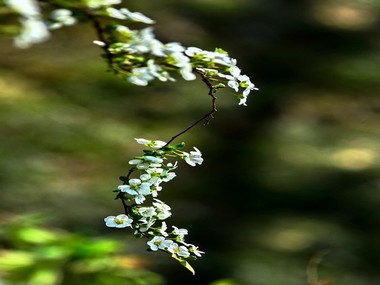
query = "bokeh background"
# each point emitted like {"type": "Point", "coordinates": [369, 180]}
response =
{"type": "Point", "coordinates": [289, 192]}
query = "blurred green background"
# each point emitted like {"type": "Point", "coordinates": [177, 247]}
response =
{"type": "Point", "coordinates": [290, 186]}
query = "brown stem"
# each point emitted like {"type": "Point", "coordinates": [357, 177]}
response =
{"type": "Point", "coordinates": [207, 116]}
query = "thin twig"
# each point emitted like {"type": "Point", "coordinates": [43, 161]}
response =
{"type": "Point", "coordinates": [207, 116]}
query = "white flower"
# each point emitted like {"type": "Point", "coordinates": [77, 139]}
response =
{"type": "Point", "coordinates": [125, 31]}
{"type": "Point", "coordinates": [135, 161]}
{"type": "Point", "coordinates": [155, 189]}
{"type": "Point", "coordinates": [99, 3]}
{"type": "Point", "coordinates": [173, 48]}
{"type": "Point", "coordinates": [233, 78]}
{"type": "Point", "coordinates": [159, 73]}
{"type": "Point", "coordinates": [119, 221]}
{"type": "Point", "coordinates": [99, 43]}
{"type": "Point", "coordinates": [62, 17]}
{"type": "Point", "coordinates": [155, 171]}
{"type": "Point", "coordinates": [33, 29]}
{"type": "Point", "coordinates": [172, 166]}
{"type": "Point", "coordinates": [144, 188]}
{"type": "Point", "coordinates": [137, 189]}
{"type": "Point", "coordinates": [151, 143]}
{"type": "Point", "coordinates": [115, 13]}
{"type": "Point", "coordinates": [194, 157]}
{"type": "Point", "coordinates": [163, 210]}
{"type": "Point", "coordinates": [180, 232]}
{"type": "Point", "coordinates": [236, 80]}
{"type": "Point", "coordinates": [136, 16]}
{"type": "Point", "coordinates": [248, 85]}
{"type": "Point", "coordinates": [145, 177]}
{"type": "Point", "coordinates": [183, 62]}
{"type": "Point", "coordinates": [179, 250]}
{"type": "Point", "coordinates": [163, 229]}
{"type": "Point", "coordinates": [216, 56]}
{"type": "Point", "coordinates": [192, 51]}
{"type": "Point", "coordinates": [194, 249]}
{"type": "Point", "coordinates": [153, 159]}
{"type": "Point", "coordinates": [139, 199]}
{"type": "Point", "coordinates": [140, 76]}
{"type": "Point", "coordinates": [147, 212]}
{"type": "Point", "coordinates": [127, 189]}
{"type": "Point", "coordinates": [167, 176]}
{"type": "Point", "coordinates": [27, 8]}
{"type": "Point", "coordinates": [159, 242]}
{"type": "Point", "coordinates": [147, 225]}
{"type": "Point", "coordinates": [134, 181]}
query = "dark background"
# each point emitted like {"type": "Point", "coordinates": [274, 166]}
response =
{"type": "Point", "coordinates": [292, 176]}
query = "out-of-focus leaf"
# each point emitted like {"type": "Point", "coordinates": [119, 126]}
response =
{"type": "Point", "coordinates": [37, 235]}
{"type": "Point", "coordinates": [44, 277]}
{"type": "Point", "coordinates": [10, 260]}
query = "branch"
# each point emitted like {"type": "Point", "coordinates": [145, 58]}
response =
{"type": "Point", "coordinates": [209, 115]}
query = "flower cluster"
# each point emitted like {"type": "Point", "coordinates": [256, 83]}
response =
{"type": "Point", "coordinates": [136, 55]}
{"type": "Point", "coordinates": [144, 212]}
{"type": "Point", "coordinates": [141, 58]}
{"type": "Point", "coordinates": [33, 29]}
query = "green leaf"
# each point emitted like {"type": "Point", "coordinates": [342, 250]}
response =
{"type": "Point", "coordinates": [124, 178]}
{"type": "Point", "coordinates": [184, 263]}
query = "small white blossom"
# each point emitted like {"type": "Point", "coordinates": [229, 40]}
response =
{"type": "Point", "coordinates": [62, 17]}
{"type": "Point", "coordinates": [127, 189]}
{"type": "Point", "coordinates": [155, 171]}
{"type": "Point", "coordinates": [134, 181]}
{"type": "Point", "coordinates": [194, 157]}
{"type": "Point", "coordinates": [180, 232]}
{"type": "Point", "coordinates": [148, 223]}
{"type": "Point", "coordinates": [136, 16]}
{"type": "Point", "coordinates": [145, 177]}
{"type": "Point", "coordinates": [135, 161]}
{"type": "Point", "coordinates": [159, 73]}
{"type": "Point", "coordinates": [27, 8]}
{"type": "Point", "coordinates": [125, 31]}
{"type": "Point", "coordinates": [147, 212]}
{"type": "Point", "coordinates": [163, 229]}
{"type": "Point", "coordinates": [159, 242]}
{"type": "Point", "coordinates": [119, 221]}
{"type": "Point", "coordinates": [99, 43]}
{"type": "Point", "coordinates": [151, 143]}
{"type": "Point", "coordinates": [140, 76]}
{"type": "Point", "coordinates": [139, 199]}
{"type": "Point", "coordinates": [155, 189]}
{"type": "Point", "coordinates": [163, 210]}
{"type": "Point", "coordinates": [94, 4]}
{"type": "Point", "coordinates": [236, 80]}
{"type": "Point", "coordinates": [233, 78]}
{"type": "Point", "coordinates": [249, 86]}
{"type": "Point", "coordinates": [144, 188]}
{"type": "Point", "coordinates": [216, 56]}
{"type": "Point", "coordinates": [183, 62]}
{"type": "Point", "coordinates": [192, 51]}
{"type": "Point", "coordinates": [167, 176]}
{"type": "Point", "coordinates": [115, 13]}
{"type": "Point", "coordinates": [181, 251]}
{"type": "Point", "coordinates": [194, 249]}
{"type": "Point", "coordinates": [153, 159]}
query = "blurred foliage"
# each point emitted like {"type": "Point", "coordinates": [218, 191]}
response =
{"type": "Point", "coordinates": [32, 254]}
{"type": "Point", "coordinates": [292, 175]}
